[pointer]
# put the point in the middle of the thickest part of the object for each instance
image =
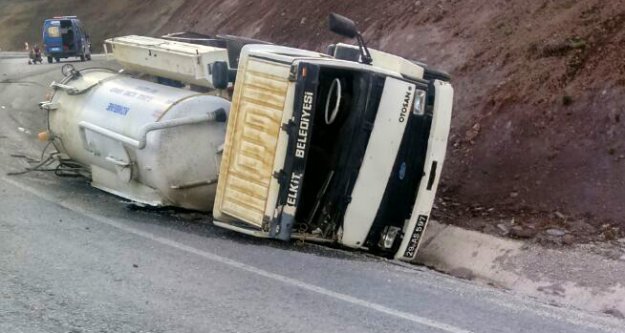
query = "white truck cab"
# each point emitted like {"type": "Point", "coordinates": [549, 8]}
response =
{"type": "Point", "coordinates": [332, 148]}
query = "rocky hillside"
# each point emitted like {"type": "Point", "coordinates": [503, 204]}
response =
{"type": "Point", "coordinates": [537, 131]}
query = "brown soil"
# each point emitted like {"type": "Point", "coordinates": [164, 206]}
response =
{"type": "Point", "coordinates": [537, 135]}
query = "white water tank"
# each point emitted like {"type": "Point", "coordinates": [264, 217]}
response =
{"type": "Point", "coordinates": [143, 141]}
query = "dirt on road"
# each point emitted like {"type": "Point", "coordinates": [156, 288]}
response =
{"type": "Point", "coordinates": [536, 147]}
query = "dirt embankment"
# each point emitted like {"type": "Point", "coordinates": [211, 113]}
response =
{"type": "Point", "coordinates": [538, 126]}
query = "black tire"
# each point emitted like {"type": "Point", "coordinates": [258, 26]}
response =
{"type": "Point", "coordinates": [57, 59]}
{"type": "Point", "coordinates": [49, 59]}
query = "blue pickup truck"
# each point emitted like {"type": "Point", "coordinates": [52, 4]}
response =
{"type": "Point", "coordinates": [64, 37]}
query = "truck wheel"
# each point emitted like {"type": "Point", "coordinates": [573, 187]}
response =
{"type": "Point", "coordinates": [49, 59]}
{"type": "Point", "coordinates": [57, 59]}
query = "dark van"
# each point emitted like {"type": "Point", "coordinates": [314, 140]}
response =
{"type": "Point", "coordinates": [64, 37]}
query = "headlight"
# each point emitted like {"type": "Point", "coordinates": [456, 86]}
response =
{"type": "Point", "coordinates": [419, 103]}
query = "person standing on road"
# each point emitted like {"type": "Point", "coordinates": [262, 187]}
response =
{"type": "Point", "coordinates": [30, 53]}
{"type": "Point", "coordinates": [70, 38]}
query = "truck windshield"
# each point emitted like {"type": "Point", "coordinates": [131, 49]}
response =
{"type": "Point", "coordinates": [53, 31]}
{"type": "Point", "coordinates": [343, 117]}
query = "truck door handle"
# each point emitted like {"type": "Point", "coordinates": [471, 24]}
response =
{"type": "Point", "coordinates": [432, 175]}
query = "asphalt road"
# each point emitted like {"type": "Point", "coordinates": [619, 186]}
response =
{"type": "Point", "coordinates": [74, 259]}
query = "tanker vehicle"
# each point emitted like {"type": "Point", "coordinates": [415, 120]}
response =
{"type": "Point", "coordinates": [344, 147]}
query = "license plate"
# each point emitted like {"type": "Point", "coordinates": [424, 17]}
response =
{"type": "Point", "coordinates": [55, 49]}
{"type": "Point", "coordinates": [416, 236]}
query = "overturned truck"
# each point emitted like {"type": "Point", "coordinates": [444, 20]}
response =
{"type": "Point", "coordinates": [344, 147]}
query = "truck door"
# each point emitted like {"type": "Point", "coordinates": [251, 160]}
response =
{"type": "Point", "coordinates": [247, 190]}
{"type": "Point", "coordinates": [83, 45]}
{"type": "Point", "coordinates": [52, 41]}
{"type": "Point", "coordinates": [79, 37]}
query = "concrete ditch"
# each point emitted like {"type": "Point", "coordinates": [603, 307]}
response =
{"type": "Point", "coordinates": [574, 276]}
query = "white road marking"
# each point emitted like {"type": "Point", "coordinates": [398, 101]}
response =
{"type": "Point", "coordinates": [245, 267]}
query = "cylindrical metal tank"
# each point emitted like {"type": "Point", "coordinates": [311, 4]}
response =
{"type": "Point", "coordinates": [143, 141]}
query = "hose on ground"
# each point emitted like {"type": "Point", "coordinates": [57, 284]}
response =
{"type": "Point", "coordinates": [64, 167]}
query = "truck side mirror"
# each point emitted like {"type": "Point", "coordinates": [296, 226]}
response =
{"type": "Point", "coordinates": [347, 28]}
{"type": "Point", "coordinates": [343, 26]}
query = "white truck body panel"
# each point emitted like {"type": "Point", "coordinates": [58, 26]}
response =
{"type": "Point", "coordinates": [185, 62]}
{"type": "Point", "coordinates": [388, 130]}
{"type": "Point", "coordinates": [255, 146]}
{"type": "Point", "coordinates": [252, 141]}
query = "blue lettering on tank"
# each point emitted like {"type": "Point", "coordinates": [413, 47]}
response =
{"type": "Point", "coordinates": [116, 108]}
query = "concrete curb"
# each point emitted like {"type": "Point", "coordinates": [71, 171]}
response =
{"type": "Point", "coordinates": [13, 55]}
{"type": "Point", "coordinates": [571, 276]}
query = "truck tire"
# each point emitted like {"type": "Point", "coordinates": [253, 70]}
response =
{"type": "Point", "coordinates": [49, 59]}
{"type": "Point", "coordinates": [57, 59]}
